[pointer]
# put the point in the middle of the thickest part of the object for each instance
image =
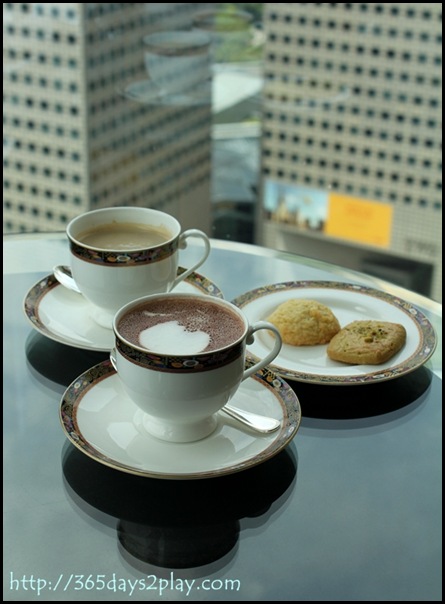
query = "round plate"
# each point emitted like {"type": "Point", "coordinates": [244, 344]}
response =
{"type": "Point", "coordinates": [102, 421]}
{"type": "Point", "coordinates": [348, 302]}
{"type": "Point", "coordinates": [63, 315]}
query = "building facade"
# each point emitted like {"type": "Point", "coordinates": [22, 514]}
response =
{"type": "Point", "coordinates": [352, 134]}
{"type": "Point", "coordinates": [75, 138]}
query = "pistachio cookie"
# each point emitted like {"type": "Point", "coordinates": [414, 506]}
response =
{"type": "Point", "coordinates": [367, 342]}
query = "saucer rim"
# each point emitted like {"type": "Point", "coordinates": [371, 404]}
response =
{"type": "Point", "coordinates": [43, 287]}
{"type": "Point", "coordinates": [287, 398]}
{"type": "Point", "coordinates": [160, 97]}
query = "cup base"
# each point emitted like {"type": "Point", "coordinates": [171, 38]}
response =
{"type": "Point", "coordinates": [173, 432]}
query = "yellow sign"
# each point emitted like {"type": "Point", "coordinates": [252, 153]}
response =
{"type": "Point", "coordinates": [368, 222]}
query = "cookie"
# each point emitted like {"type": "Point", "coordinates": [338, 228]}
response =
{"type": "Point", "coordinates": [304, 322]}
{"type": "Point", "coordinates": [367, 342]}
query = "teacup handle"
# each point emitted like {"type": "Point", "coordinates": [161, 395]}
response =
{"type": "Point", "coordinates": [113, 358]}
{"type": "Point", "coordinates": [183, 244]}
{"type": "Point", "coordinates": [272, 354]}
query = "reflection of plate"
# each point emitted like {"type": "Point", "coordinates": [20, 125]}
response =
{"type": "Point", "coordinates": [148, 93]}
{"type": "Point", "coordinates": [63, 315]}
{"type": "Point", "coordinates": [99, 418]}
{"type": "Point", "coordinates": [348, 302]}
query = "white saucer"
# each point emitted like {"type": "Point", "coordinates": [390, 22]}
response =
{"type": "Point", "coordinates": [64, 316]}
{"type": "Point", "coordinates": [145, 91]}
{"type": "Point", "coordinates": [100, 420]}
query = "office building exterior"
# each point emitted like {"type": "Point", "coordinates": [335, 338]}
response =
{"type": "Point", "coordinates": [352, 133]}
{"type": "Point", "coordinates": [74, 140]}
{"type": "Point", "coordinates": [350, 140]}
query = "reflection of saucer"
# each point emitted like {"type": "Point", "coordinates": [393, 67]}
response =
{"type": "Point", "coordinates": [148, 93]}
{"type": "Point", "coordinates": [178, 523]}
{"type": "Point", "coordinates": [63, 315]}
{"type": "Point", "coordinates": [54, 364]}
{"type": "Point", "coordinates": [100, 419]}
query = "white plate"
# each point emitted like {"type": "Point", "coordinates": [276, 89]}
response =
{"type": "Point", "coordinates": [348, 302]}
{"type": "Point", "coordinates": [64, 316]}
{"type": "Point", "coordinates": [99, 418]}
{"type": "Point", "coordinates": [148, 93]}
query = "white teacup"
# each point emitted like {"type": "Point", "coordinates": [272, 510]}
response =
{"type": "Point", "coordinates": [122, 253]}
{"type": "Point", "coordinates": [181, 358]}
{"type": "Point", "coordinates": [177, 61]}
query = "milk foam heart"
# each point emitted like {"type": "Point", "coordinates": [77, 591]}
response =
{"type": "Point", "coordinates": [181, 325]}
{"type": "Point", "coordinates": [173, 338]}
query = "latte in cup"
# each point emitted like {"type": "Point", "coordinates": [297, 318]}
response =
{"type": "Point", "coordinates": [120, 254]}
{"type": "Point", "coordinates": [181, 326]}
{"type": "Point", "coordinates": [124, 236]}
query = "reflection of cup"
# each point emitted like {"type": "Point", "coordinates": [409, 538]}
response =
{"type": "Point", "coordinates": [120, 254]}
{"type": "Point", "coordinates": [227, 27]}
{"type": "Point", "coordinates": [177, 61]}
{"type": "Point", "coordinates": [181, 358]}
{"type": "Point", "coordinates": [178, 523]}
{"type": "Point", "coordinates": [179, 546]}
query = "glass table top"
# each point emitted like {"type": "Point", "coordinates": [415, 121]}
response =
{"type": "Point", "coordinates": [349, 510]}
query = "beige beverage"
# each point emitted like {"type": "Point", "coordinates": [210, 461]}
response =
{"type": "Point", "coordinates": [124, 236]}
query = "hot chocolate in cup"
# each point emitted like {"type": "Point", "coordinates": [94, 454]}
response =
{"type": "Point", "coordinates": [181, 357]}
{"type": "Point", "coordinates": [122, 253]}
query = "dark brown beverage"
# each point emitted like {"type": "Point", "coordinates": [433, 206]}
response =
{"type": "Point", "coordinates": [181, 326]}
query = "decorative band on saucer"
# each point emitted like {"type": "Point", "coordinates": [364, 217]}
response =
{"type": "Point", "coordinates": [182, 364]}
{"type": "Point", "coordinates": [125, 258]}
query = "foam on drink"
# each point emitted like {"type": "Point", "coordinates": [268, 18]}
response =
{"type": "Point", "coordinates": [124, 236]}
{"type": "Point", "coordinates": [169, 336]}
{"type": "Point", "coordinates": [181, 326]}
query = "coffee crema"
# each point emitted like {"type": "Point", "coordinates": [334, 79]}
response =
{"type": "Point", "coordinates": [181, 326]}
{"type": "Point", "coordinates": [124, 236]}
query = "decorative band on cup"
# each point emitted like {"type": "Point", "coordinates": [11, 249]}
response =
{"type": "Point", "coordinates": [125, 258]}
{"type": "Point", "coordinates": [181, 364]}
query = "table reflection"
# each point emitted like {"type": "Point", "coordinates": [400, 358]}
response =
{"type": "Point", "coordinates": [364, 400]}
{"type": "Point", "coordinates": [178, 523]}
{"type": "Point", "coordinates": [58, 362]}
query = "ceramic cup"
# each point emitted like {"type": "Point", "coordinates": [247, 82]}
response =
{"type": "Point", "coordinates": [122, 253]}
{"type": "Point", "coordinates": [177, 61]}
{"type": "Point", "coordinates": [181, 357]}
